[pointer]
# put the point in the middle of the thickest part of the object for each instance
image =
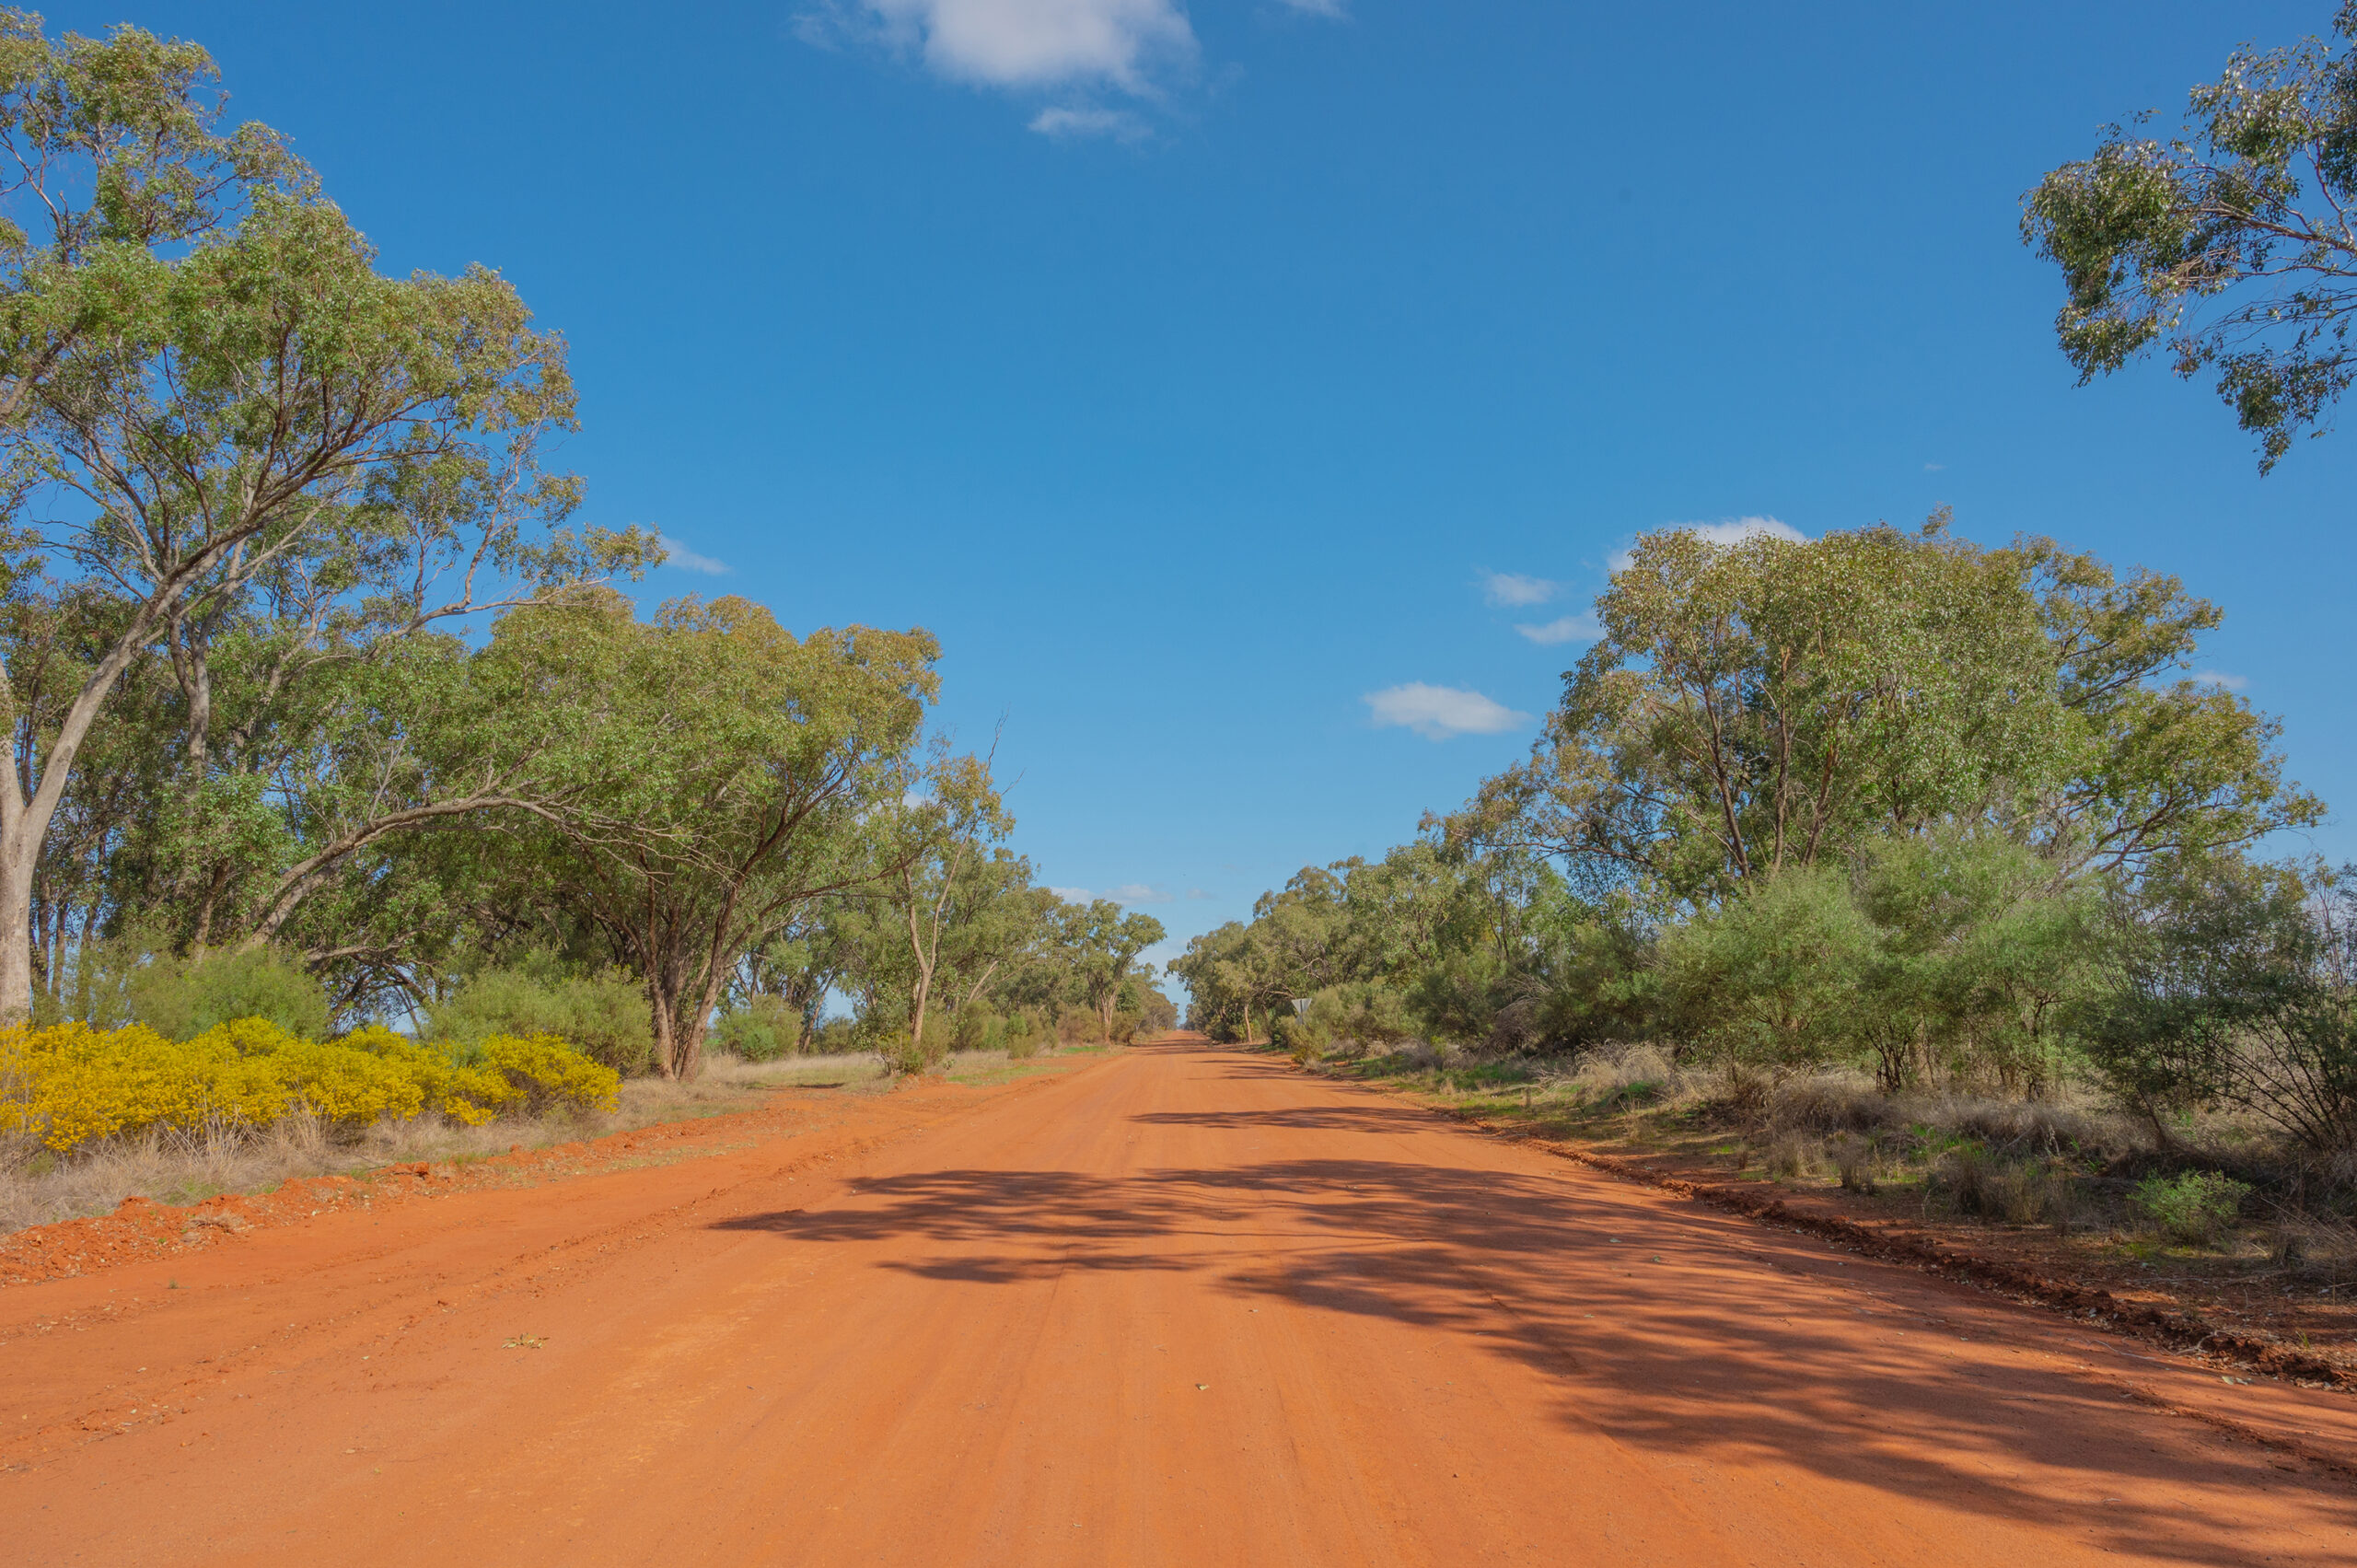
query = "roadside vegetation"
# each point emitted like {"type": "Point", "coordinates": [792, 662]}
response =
{"type": "Point", "coordinates": [355, 806]}
{"type": "Point", "coordinates": [1884, 860]}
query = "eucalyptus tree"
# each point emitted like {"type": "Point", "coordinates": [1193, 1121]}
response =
{"type": "Point", "coordinates": [1101, 944]}
{"type": "Point", "coordinates": [727, 774]}
{"type": "Point", "coordinates": [935, 831]}
{"type": "Point", "coordinates": [996, 922]}
{"type": "Point", "coordinates": [2230, 243]}
{"type": "Point", "coordinates": [210, 396]}
{"type": "Point", "coordinates": [1771, 704]}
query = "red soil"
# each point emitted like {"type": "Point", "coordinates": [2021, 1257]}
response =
{"type": "Point", "coordinates": [1179, 1306]}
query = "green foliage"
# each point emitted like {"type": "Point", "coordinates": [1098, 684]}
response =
{"type": "Point", "coordinates": [2192, 1206]}
{"type": "Point", "coordinates": [2226, 243]}
{"type": "Point", "coordinates": [604, 1014]}
{"type": "Point", "coordinates": [181, 1000]}
{"type": "Point", "coordinates": [1026, 1032]}
{"type": "Point", "coordinates": [1772, 976]}
{"type": "Point", "coordinates": [1776, 702]}
{"type": "Point", "coordinates": [1361, 1015]}
{"type": "Point", "coordinates": [976, 1028]}
{"type": "Point", "coordinates": [906, 1055]}
{"type": "Point", "coordinates": [2236, 985]}
{"type": "Point", "coordinates": [761, 1029]}
{"type": "Point", "coordinates": [724, 773]}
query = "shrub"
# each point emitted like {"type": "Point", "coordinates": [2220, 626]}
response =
{"type": "Point", "coordinates": [836, 1037]}
{"type": "Point", "coordinates": [81, 1084]}
{"type": "Point", "coordinates": [2192, 1206]}
{"type": "Point", "coordinates": [905, 1057]}
{"type": "Point", "coordinates": [2017, 1191]}
{"type": "Point", "coordinates": [976, 1028]}
{"type": "Point", "coordinates": [763, 1028]}
{"type": "Point", "coordinates": [182, 998]}
{"type": "Point", "coordinates": [1363, 1014]}
{"type": "Point", "coordinates": [1856, 1159]}
{"type": "Point", "coordinates": [550, 1073]}
{"type": "Point", "coordinates": [1771, 979]}
{"type": "Point", "coordinates": [606, 1015]}
{"type": "Point", "coordinates": [1025, 1031]}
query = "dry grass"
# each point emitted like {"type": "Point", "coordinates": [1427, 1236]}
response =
{"type": "Point", "coordinates": [40, 1188]}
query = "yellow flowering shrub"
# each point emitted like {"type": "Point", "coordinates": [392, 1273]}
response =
{"type": "Point", "coordinates": [85, 1084]}
{"type": "Point", "coordinates": [470, 1096]}
{"type": "Point", "coordinates": [550, 1072]}
{"type": "Point", "coordinates": [74, 1085]}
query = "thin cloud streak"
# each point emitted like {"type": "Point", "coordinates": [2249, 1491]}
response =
{"type": "Point", "coordinates": [686, 559]}
{"type": "Point", "coordinates": [1440, 713]}
{"type": "Point", "coordinates": [1580, 628]}
{"type": "Point", "coordinates": [1514, 588]}
{"type": "Point", "coordinates": [1119, 124]}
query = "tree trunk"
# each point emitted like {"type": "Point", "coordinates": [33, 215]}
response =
{"type": "Point", "coordinates": [19, 850]}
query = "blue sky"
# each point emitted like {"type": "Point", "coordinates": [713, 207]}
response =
{"type": "Point", "coordinates": [1194, 372]}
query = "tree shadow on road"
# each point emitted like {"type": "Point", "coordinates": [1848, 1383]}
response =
{"type": "Point", "coordinates": [1672, 1329]}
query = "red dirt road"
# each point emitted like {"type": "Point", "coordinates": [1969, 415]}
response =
{"type": "Point", "coordinates": [1177, 1306]}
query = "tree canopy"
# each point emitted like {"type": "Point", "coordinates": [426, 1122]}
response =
{"type": "Point", "coordinates": [2228, 243]}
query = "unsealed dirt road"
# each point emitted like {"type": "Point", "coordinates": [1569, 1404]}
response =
{"type": "Point", "coordinates": [1177, 1306]}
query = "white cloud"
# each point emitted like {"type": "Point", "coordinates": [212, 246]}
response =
{"type": "Point", "coordinates": [1317, 7]}
{"type": "Point", "coordinates": [686, 559]}
{"type": "Point", "coordinates": [1117, 124]}
{"type": "Point", "coordinates": [1728, 530]}
{"type": "Point", "coordinates": [1071, 895]}
{"type": "Point", "coordinates": [1513, 587]}
{"type": "Point", "coordinates": [1934, 468]}
{"type": "Point", "coordinates": [1138, 893]}
{"type": "Point", "coordinates": [2221, 679]}
{"type": "Point", "coordinates": [1193, 893]}
{"type": "Point", "coordinates": [1438, 712]}
{"type": "Point", "coordinates": [1580, 628]}
{"type": "Point", "coordinates": [1022, 43]}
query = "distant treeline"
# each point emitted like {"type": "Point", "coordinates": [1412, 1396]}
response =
{"type": "Point", "coordinates": [1954, 817]}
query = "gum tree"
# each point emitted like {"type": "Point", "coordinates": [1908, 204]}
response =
{"type": "Point", "coordinates": [2230, 243]}
{"type": "Point", "coordinates": [725, 774]}
{"type": "Point", "coordinates": [204, 382]}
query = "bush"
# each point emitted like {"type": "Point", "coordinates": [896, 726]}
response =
{"type": "Point", "coordinates": [81, 1086]}
{"type": "Point", "coordinates": [1025, 1032]}
{"type": "Point", "coordinates": [904, 1057]}
{"type": "Point", "coordinates": [1855, 1160]}
{"type": "Point", "coordinates": [976, 1028]}
{"type": "Point", "coordinates": [181, 998]}
{"type": "Point", "coordinates": [605, 1015]}
{"type": "Point", "coordinates": [837, 1037]}
{"type": "Point", "coordinates": [2192, 1206]}
{"type": "Point", "coordinates": [763, 1028]}
{"type": "Point", "coordinates": [2238, 986]}
{"type": "Point", "coordinates": [2017, 1191]}
{"type": "Point", "coordinates": [550, 1072]}
{"type": "Point", "coordinates": [1364, 1015]}
{"type": "Point", "coordinates": [1771, 979]}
